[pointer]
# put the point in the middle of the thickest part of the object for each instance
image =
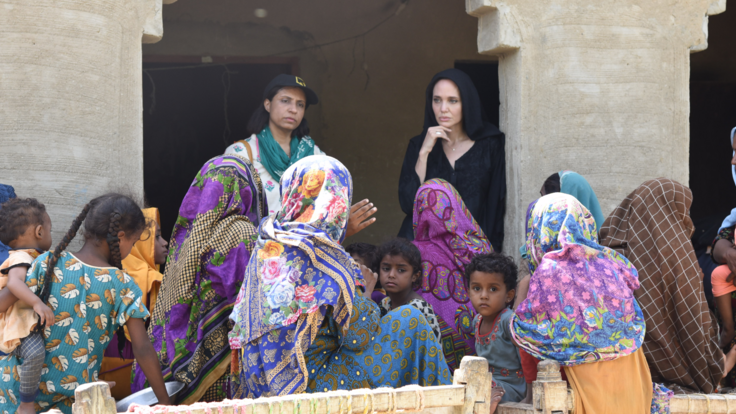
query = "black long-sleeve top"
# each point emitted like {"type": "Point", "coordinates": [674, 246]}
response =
{"type": "Point", "coordinates": [479, 177]}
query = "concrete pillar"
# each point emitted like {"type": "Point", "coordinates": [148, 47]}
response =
{"type": "Point", "coordinates": [598, 87]}
{"type": "Point", "coordinates": [70, 99]}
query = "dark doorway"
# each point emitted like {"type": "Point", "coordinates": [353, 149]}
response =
{"type": "Point", "coordinates": [712, 109]}
{"type": "Point", "coordinates": [712, 115]}
{"type": "Point", "coordinates": [485, 77]}
{"type": "Point", "coordinates": [191, 113]}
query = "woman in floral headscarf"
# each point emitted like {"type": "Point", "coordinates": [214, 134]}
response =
{"type": "Point", "coordinates": [448, 237]}
{"type": "Point", "coordinates": [304, 320]}
{"type": "Point", "coordinates": [209, 251]}
{"type": "Point", "coordinates": [580, 311]}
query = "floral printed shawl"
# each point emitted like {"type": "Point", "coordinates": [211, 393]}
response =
{"type": "Point", "coordinates": [208, 253]}
{"type": "Point", "coordinates": [448, 238]}
{"type": "Point", "coordinates": [580, 306]}
{"type": "Point", "coordinates": [297, 273]}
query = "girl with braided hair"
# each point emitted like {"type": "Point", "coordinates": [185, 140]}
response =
{"type": "Point", "coordinates": [91, 297]}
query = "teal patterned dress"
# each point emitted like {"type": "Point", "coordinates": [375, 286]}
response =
{"type": "Point", "coordinates": [90, 303]}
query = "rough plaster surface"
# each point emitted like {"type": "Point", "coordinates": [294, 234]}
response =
{"type": "Point", "coordinates": [601, 88]}
{"type": "Point", "coordinates": [70, 85]}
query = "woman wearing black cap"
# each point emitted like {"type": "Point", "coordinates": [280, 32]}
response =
{"type": "Point", "coordinates": [280, 137]}
{"type": "Point", "coordinates": [459, 145]}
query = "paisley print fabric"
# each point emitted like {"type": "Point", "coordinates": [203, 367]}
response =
{"type": "Point", "coordinates": [90, 304]}
{"type": "Point", "coordinates": [448, 237]}
{"type": "Point", "coordinates": [580, 307]}
{"type": "Point", "coordinates": [423, 307]}
{"type": "Point", "coordinates": [208, 253]}
{"type": "Point", "coordinates": [298, 272]}
{"type": "Point", "coordinates": [395, 350]}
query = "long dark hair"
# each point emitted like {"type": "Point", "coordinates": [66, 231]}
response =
{"type": "Point", "coordinates": [260, 118]}
{"type": "Point", "coordinates": [103, 218]}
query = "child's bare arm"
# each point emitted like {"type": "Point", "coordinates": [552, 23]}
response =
{"type": "Point", "coordinates": [17, 286]}
{"type": "Point", "coordinates": [6, 300]}
{"type": "Point", "coordinates": [147, 359]}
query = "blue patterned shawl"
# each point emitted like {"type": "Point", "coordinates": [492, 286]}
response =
{"type": "Point", "coordinates": [297, 273]}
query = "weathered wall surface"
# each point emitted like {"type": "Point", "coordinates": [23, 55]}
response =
{"type": "Point", "coordinates": [600, 88]}
{"type": "Point", "coordinates": [371, 89]}
{"type": "Point", "coordinates": [70, 87]}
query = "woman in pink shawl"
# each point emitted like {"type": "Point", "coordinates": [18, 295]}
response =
{"type": "Point", "coordinates": [448, 237]}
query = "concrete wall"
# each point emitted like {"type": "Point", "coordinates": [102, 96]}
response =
{"type": "Point", "coordinates": [600, 88]}
{"type": "Point", "coordinates": [70, 85]}
{"type": "Point", "coordinates": [371, 89]}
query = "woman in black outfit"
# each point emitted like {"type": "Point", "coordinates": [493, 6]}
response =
{"type": "Point", "coordinates": [458, 144]}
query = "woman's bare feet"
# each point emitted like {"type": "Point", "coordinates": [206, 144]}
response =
{"type": "Point", "coordinates": [497, 393]}
{"type": "Point", "coordinates": [29, 408]}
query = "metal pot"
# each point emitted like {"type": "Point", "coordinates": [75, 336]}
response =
{"type": "Point", "coordinates": [147, 397]}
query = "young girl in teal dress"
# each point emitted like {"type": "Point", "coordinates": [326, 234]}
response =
{"type": "Point", "coordinates": [91, 297]}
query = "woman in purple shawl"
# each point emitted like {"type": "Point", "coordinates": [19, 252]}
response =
{"type": "Point", "coordinates": [448, 237]}
{"type": "Point", "coordinates": [209, 251]}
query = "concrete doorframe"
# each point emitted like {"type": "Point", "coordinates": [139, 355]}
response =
{"type": "Point", "coordinates": [595, 87]}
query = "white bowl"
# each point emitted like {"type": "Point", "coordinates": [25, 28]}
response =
{"type": "Point", "coordinates": [147, 397]}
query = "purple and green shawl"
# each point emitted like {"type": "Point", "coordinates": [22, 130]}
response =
{"type": "Point", "coordinates": [448, 238]}
{"type": "Point", "coordinates": [209, 250]}
{"type": "Point", "coordinates": [580, 307]}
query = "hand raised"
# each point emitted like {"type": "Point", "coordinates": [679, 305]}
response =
{"type": "Point", "coordinates": [360, 217]}
{"type": "Point", "coordinates": [433, 134]}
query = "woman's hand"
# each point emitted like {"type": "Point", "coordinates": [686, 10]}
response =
{"type": "Point", "coordinates": [360, 217]}
{"type": "Point", "coordinates": [370, 280]}
{"type": "Point", "coordinates": [433, 134]}
{"type": "Point", "coordinates": [147, 359]}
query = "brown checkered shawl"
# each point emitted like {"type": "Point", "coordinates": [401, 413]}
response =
{"type": "Point", "coordinates": [652, 228]}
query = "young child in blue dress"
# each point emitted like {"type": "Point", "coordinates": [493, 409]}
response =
{"type": "Point", "coordinates": [491, 283]}
{"type": "Point", "coordinates": [400, 274]}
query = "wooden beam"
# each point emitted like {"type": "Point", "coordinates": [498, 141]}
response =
{"type": "Point", "coordinates": [473, 374]}
{"type": "Point", "coordinates": [91, 398]}
{"type": "Point", "coordinates": [703, 403]}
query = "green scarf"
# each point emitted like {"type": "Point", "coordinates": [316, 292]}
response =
{"type": "Point", "coordinates": [273, 157]}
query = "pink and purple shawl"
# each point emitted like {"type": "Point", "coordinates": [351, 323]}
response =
{"type": "Point", "coordinates": [448, 238]}
{"type": "Point", "coordinates": [580, 307]}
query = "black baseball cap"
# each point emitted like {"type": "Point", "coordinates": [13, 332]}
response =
{"type": "Point", "coordinates": [285, 80]}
